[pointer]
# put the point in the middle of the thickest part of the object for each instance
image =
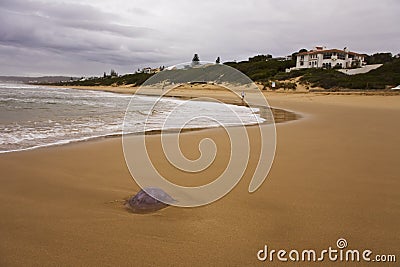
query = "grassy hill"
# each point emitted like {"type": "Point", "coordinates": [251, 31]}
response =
{"type": "Point", "coordinates": [387, 75]}
{"type": "Point", "coordinates": [134, 79]}
{"type": "Point", "coordinates": [264, 71]}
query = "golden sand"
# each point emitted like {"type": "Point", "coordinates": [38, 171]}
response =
{"type": "Point", "coordinates": [335, 174]}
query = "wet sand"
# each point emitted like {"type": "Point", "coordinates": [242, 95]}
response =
{"type": "Point", "coordinates": [335, 175]}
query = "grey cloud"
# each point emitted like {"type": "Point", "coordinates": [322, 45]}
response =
{"type": "Point", "coordinates": [83, 37]}
{"type": "Point", "coordinates": [56, 9]}
{"type": "Point", "coordinates": [59, 29]}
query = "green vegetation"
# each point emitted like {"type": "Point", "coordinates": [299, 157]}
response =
{"type": "Point", "coordinates": [261, 68]}
{"type": "Point", "coordinates": [134, 79]}
{"type": "Point", "coordinates": [387, 75]}
{"type": "Point", "coordinates": [380, 58]}
{"type": "Point", "coordinates": [264, 69]}
{"type": "Point", "coordinates": [290, 75]}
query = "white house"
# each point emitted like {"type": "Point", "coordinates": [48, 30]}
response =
{"type": "Point", "coordinates": [149, 70]}
{"type": "Point", "coordinates": [320, 57]}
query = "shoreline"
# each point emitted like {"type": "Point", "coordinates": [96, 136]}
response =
{"type": "Point", "coordinates": [193, 94]}
{"type": "Point", "coordinates": [288, 116]}
{"type": "Point", "coordinates": [342, 91]}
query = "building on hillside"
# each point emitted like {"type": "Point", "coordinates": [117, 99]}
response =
{"type": "Point", "coordinates": [149, 70]}
{"type": "Point", "coordinates": [320, 57]}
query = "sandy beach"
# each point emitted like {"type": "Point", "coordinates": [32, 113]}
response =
{"type": "Point", "coordinates": [335, 175]}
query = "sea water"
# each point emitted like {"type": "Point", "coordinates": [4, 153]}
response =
{"type": "Point", "coordinates": [36, 116]}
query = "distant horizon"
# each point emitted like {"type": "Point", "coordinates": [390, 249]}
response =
{"type": "Point", "coordinates": [87, 37]}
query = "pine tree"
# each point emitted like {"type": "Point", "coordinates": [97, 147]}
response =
{"type": "Point", "coordinates": [113, 73]}
{"type": "Point", "coordinates": [196, 59]}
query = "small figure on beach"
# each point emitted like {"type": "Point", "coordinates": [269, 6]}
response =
{"type": "Point", "coordinates": [243, 95]}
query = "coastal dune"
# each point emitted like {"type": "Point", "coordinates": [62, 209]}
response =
{"type": "Point", "coordinates": [335, 175]}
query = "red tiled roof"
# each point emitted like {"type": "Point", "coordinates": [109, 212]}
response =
{"type": "Point", "coordinates": [312, 52]}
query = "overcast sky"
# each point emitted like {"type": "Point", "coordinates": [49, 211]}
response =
{"type": "Point", "coordinates": [88, 37]}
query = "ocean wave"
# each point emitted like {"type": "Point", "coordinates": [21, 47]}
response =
{"type": "Point", "coordinates": [34, 116]}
